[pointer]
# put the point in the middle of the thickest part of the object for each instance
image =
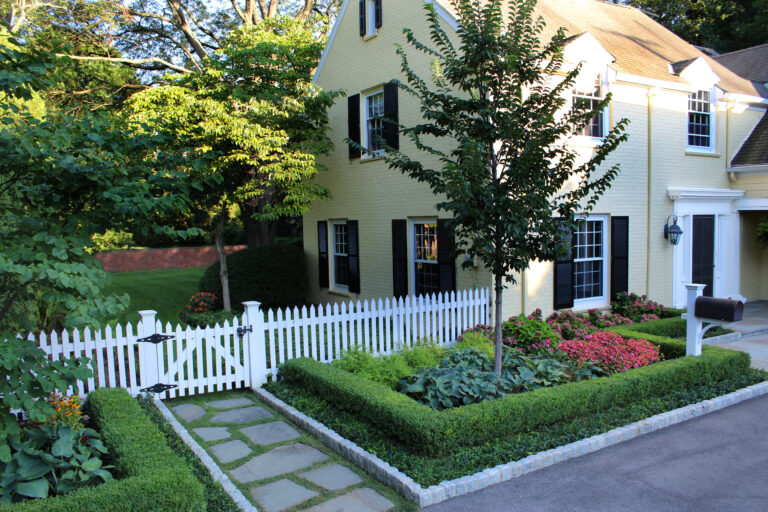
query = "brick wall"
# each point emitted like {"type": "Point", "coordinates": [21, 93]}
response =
{"type": "Point", "coordinates": [153, 259]}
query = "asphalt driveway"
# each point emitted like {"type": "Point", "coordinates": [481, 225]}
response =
{"type": "Point", "coordinates": [718, 462]}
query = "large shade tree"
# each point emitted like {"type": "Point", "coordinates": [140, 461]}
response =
{"type": "Point", "coordinates": [496, 117]}
{"type": "Point", "coordinates": [255, 121]}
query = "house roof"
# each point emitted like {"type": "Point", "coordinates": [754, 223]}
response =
{"type": "Point", "coordinates": [641, 46]}
{"type": "Point", "coordinates": [754, 151]}
{"type": "Point", "coordinates": [751, 63]}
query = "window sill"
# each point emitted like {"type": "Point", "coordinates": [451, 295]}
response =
{"type": "Point", "coordinates": [340, 293]}
{"type": "Point", "coordinates": [372, 157]}
{"type": "Point", "coordinates": [599, 303]}
{"type": "Point", "coordinates": [581, 141]}
{"type": "Point", "coordinates": [701, 152]}
{"type": "Point", "coordinates": [368, 37]}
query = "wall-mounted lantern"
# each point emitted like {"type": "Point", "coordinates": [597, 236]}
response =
{"type": "Point", "coordinates": [673, 232]}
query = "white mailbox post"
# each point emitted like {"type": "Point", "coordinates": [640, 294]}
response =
{"type": "Point", "coordinates": [725, 311]}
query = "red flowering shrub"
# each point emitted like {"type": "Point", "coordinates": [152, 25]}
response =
{"type": "Point", "coordinates": [611, 352]}
{"type": "Point", "coordinates": [638, 307]}
{"type": "Point", "coordinates": [202, 302]}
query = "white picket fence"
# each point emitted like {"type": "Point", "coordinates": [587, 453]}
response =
{"type": "Point", "coordinates": [246, 352]}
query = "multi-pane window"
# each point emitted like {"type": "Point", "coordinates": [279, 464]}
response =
{"type": "Point", "coordinates": [589, 98]}
{"type": "Point", "coordinates": [589, 260]}
{"type": "Point", "coordinates": [374, 125]}
{"type": "Point", "coordinates": [426, 269]}
{"type": "Point", "coordinates": [699, 120]}
{"type": "Point", "coordinates": [340, 255]}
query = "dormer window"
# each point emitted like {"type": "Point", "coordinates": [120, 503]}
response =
{"type": "Point", "coordinates": [589, 98]}
{"type": "Point", "coordinates": [370, 17]}
{"type": "Point", "coordinates": [700, 120]}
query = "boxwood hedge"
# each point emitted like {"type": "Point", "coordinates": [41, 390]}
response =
{"type": "Point", "coordinates": [426, 430]}
{"type": "Point", "coordinates": [148, 475]}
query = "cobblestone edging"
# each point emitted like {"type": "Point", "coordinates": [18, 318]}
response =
{"type": "Point", "coordinates": [216, 472]}
{"type": "Point", "coordinates": [411, 490]}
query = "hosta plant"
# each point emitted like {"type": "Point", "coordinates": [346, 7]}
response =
{"type": "Point", "coordinates": [52, 460]}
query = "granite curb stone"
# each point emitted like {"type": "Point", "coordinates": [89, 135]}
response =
{"type": "Point", "coordinates": [456, 487]}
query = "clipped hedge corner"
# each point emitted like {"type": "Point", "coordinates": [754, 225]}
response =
{"type": "Point", "coordinates": [148, 475]}
{"type": "Point", "coordinates": [425, 430]}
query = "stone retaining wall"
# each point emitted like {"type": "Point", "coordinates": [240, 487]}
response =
{"type": "Point", "coordinates": [154, 259]}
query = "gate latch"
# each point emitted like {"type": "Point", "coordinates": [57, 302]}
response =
{"type": "Point", "coordinates": [242, 330]}
{"type": "Point", "coordinates": [156, 338]}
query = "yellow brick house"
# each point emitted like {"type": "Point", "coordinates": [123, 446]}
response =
{"type": "Point", "coordinates": [380, 235]}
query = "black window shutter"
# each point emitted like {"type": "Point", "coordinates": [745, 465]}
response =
{"type": "Point", "coordinates": [322, 250]}
{"type": "Point", "coordinates": [353, 122]}
{"type": "Point", "coordinates": [445, 256]}
{"type": "Point", "coordinates": [391, 128]}
{"type": "Point", "coordinates": [362, 17]}
{"type": "Point", "coordinates": [564, 277]}
{"type": "Point", "coordinates": [353, 252]}
{"type": "Point", "coordinates": [378, 13]}
{"type": "Point", "coordinates": [400, 258]}
{"type": "Point", "coordinates": [619, 256]}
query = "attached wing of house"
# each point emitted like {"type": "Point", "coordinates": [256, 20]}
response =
{"type": "Point", "coordinates": [690, 116]}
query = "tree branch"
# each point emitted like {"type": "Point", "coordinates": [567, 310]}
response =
{"type": "Point", "coordinates": [204, 30]}
{"type": "Point", "coordinates": [149, 63]}
{"type": "Point", "coordinates": [238, 10]}
{"type": "Point", "coordinates": [183, 25]}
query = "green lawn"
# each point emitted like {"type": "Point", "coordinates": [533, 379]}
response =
{"type": "Point", "coordinates": [166, 291]}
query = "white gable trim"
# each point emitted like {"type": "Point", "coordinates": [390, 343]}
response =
{"type": "Point", "coordinates": [441, 11]}
{"type": "Point", "coordinates": [699, 74]}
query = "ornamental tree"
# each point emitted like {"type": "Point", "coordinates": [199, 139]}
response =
{"type": "Point", "coordinates": [254, 121]}
{"type": "Point", "coordinates": [496, 118]}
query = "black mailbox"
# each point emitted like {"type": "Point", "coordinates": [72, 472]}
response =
{"type": "Point", "coordinates": [725, 310]}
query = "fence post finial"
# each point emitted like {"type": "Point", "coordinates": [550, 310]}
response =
{"type": "Point", "coordinates": [255, 341]}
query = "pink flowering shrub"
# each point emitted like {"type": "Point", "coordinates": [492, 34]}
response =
{"type": "Point", "coordinates": [611, 352]}
{"type": "Point", "coordinates": [638, 307]}
{"type": "Point", "coordinates": [568, 325]}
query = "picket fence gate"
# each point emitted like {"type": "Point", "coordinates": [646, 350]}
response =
{"type": "Point", "coordinates": [175, 361]}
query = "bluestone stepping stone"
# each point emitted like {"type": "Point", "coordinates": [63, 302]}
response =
{"type": "Point", "coordinates": [333, 477]}
{"type": "Point", "coordinates": [189, 412]}
{"type": "Point", "coordinates": [231, 450]}
{"type": "Point", "coordinates": [212, 433]}
{"type": "Point", "coordinates": [280, 460]}
{"type": "Point", "coordinates": [270, 433]}
{"type": "Point", "coordinates": [359, 500]}
{"type": "Point", "coordinates": [244, 415]}
{"type": "Point", "coordinates": [230, 403]}
{"type": "Point", "coordinates": [281, 495]}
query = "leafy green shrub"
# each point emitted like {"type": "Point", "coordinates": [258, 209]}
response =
{"type": "Point", "coordinates": [111, 240]}
{"type": "Point", "coordinates": [275, 275]}
{"type": "Point", "coordinates": [28, 378]}
{"type": "Point", "coordinates": [52, 460]}
{"type": "Point", "coordinates": [528, 333]}
{"type": "Point", "coordinates": [674, 328]}
{"type": "Point", "coordinates": [148, 475]}
{"type": "Point", "coordinates": [476, 339]}
{"type": "Point", "coordinates": [423, 354]}
{"type": "Point", "coordinates": [423, 429]}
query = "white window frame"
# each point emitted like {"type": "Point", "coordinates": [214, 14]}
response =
{"type": "Point", "coordinates": [414, 260]}
{"type": "Point", "coordinates": [602, 299]}
{"type": "Point", "coordinates": [333, 253]}
{"type": "Point", "coordinates": [712, 123]}
{"type": "Point", "coordinates": [604, 114]}
{"type": "Point", "coordinates": [370, 18]}
{"type": "Point", "coordinates": [366, 96]}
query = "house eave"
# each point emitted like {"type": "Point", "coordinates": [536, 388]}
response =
{"type": "Point", "coordinates": [748, 170]}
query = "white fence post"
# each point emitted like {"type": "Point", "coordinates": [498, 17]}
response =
{"type": "Point", "coordinates": [256, 343]}
{"type": "Point", "coordinates": [147, 351]}
{"type": "Point", "coordinates": [693, 324]}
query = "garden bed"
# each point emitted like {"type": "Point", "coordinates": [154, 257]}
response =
{"type": "Point", "coordinates": [148, 475]}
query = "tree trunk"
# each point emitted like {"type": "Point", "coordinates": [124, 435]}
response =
{"type": "Point", "coordinates": [498, 286]}
{"type": "Point", "coordinates": [257, 232]}
{"type": "Point", "coordinates": [223, 275]}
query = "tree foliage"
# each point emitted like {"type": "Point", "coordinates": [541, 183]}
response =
{"type": "Point", "coordinates": [62, 179]}
{"type": "Point", "coordinates": [255, 121]}
{"type": "Point", "coordinates": [496, 101]}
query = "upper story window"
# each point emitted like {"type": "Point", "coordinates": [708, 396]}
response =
{"type": "Point", "coordinates": [370, 17]}
{"type": "Point", "coordinates": [700, 120]}
{"type": "Point", "coordinates": [374, 124]}
{"type": "Point", "coordinates": [590, 97]}
{"type": "Point", "coordinates": [426, 269]}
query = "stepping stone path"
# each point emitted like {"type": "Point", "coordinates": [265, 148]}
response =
{"type": "Point", "coordinates": [332, 477]}
{"type": "Point", "coordinates": [281, 495]}
{"type": "Point", "coordinates": [230, 451]}
{"type": "Point", "coordinates": [212, 433]}
{"type": "Point", "coordinates": [240, 416]}
{"type": "Point", "coordinates": [270, 433]}
{"type": "Point", "coordinates": [300, 472]}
